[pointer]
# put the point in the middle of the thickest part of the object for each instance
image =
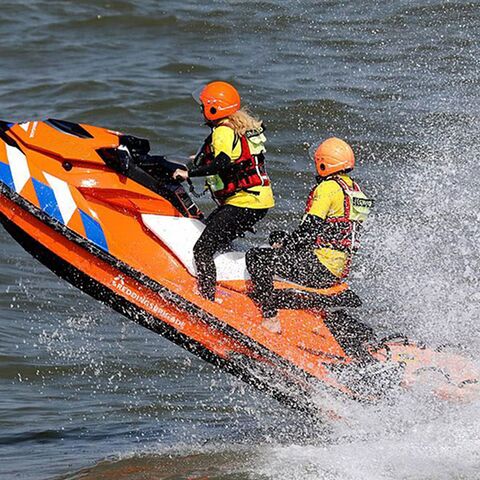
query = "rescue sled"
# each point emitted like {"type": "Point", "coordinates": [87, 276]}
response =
{"type": "Point", "coordinates": [99, 211]}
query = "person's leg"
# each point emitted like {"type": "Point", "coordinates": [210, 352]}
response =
{"type": "Point", "coordinates": [216, 236]}
{"type": "Point", "coordinates": [300, 267]}
{"type": "Point", "coordinates": [223, 225]}
{"type": "Point", "coordinates": [305, 269]}
{"type": "Point", "coordinates": [249, 217]}
{"type": "Point", "coordinates": [261, 264]}
{"type": "Point", "coordinates": [203, 252]}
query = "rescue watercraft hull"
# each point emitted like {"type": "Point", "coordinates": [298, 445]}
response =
{"type": "Point", "coordinates": [96, 209]}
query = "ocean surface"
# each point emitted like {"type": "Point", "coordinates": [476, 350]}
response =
{"type": "Point", "coordinates": [87, 394]}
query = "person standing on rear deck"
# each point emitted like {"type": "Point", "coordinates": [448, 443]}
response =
{"type": "Point", "coordinates": [232, 159]}
{"type": "Point", "coordinates": [319, 251]}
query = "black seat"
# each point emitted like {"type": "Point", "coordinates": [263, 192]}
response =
{"type": "Point", "coordinates": [296, 299]}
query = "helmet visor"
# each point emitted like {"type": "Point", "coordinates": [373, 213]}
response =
{"type": "Point", "coordinates": [312, 149]}
{"type": "Point", "coordinates": [196, 94]}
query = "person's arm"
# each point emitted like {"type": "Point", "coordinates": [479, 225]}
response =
{"type": "Point", "coordinates": [313, 222]}
{"type": "Point", "coordinates": [220, 163]}
{"type": "Point", "coordinates": [306, 233]}
{"type": "Point", "coordinates": [222, 145]}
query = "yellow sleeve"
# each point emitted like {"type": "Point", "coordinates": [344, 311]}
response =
{"type": "Point", "coordinates": [222, 140]}
{"type": "Point", "coordinates": [323, 197]}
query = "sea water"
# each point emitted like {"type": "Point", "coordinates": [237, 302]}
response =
{"type": "Point", "coordinates": [85, 393]}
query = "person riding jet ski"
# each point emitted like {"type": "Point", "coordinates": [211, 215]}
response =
{"type": "Point", "coordinates": [318, 253]}
{"type": "Point", "coordinates": [232, 159]}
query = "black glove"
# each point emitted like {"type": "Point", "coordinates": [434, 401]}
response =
{"type": "Point", "coordinates": [277, 236]}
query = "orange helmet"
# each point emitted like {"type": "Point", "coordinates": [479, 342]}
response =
{"type": "Point", "coordinates": [333, 155]}
{"type": "Point", "coordinates": [219, 100]}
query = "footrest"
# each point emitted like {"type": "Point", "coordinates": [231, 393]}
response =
{"type": "Point", "coordinates": [316, 350]}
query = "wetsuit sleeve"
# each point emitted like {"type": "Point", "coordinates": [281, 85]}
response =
{"type": "Point", "coordinates": [306, 233]}
{"type": "Point", "coordinates": [313, 222]}
{"type": "Point", "coordinates": [220, 163]}
{"type": "Point", "coordinates": [222, 146]}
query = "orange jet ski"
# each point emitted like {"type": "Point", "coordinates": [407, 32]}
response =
{"type": "Point", "coordinates": [101, 212]}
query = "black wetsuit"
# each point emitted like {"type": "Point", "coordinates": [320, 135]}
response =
{"type": "Point", "coordinates": [295, 260]}
{"type": "Point", "coordinates": [225, 224]}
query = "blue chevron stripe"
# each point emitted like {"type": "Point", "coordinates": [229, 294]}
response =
{"type": "Point", "coordinates": [94, 231]}
{"type": "Point", "coordinates": [6, 175]}
{"type": "Point", "coordinates": [47, 200]}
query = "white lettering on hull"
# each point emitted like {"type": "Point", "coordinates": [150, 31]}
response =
{"type": "Point", "coordinates": [118, 284]}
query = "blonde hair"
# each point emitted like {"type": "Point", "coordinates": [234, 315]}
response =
{"type": "Point", "coordinates": [242, 121]}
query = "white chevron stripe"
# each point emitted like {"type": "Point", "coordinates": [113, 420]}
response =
{"type": "Point", "coordinates": [19, 167]}
{"type": "Point", "coordinates": [25, 126]}
{"type": "Point", "coordinates": [62, 192]}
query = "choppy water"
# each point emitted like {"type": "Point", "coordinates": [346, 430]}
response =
{"type": "Point", "coordinates": [85, 393]}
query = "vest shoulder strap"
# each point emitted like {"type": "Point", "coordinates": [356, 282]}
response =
{"type": "Point", "coordinates": [345, 186]}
